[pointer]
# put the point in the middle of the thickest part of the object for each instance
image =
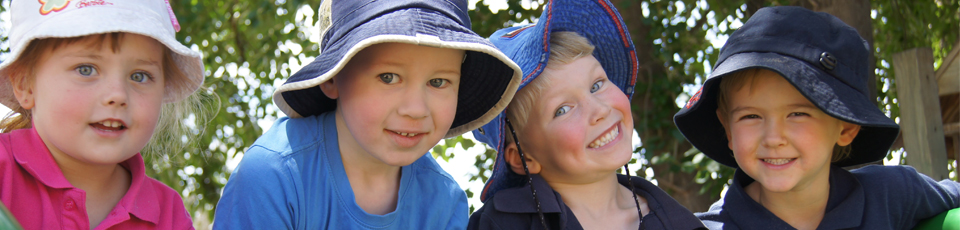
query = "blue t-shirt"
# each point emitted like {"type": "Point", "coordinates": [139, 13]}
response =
{"type": "Point", "coordinates": [293, 178]}
{"type": "Point", "coordinates": [872, 197]}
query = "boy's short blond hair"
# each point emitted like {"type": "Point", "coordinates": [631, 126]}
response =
{"type": "Point", "coordinates": [737, 80]}
{"type": "Point", "coordinates": [565, 47]}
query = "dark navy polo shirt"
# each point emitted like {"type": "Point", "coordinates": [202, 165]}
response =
{"type": "Point", "coordinates": [872, 197]}
{"type": "Point", "coordinates": [514, 208]}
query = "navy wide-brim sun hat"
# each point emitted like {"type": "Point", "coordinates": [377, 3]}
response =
{"type": "Point", "coordinates": [488, 77]}
{"type": "Point", "coordinates": [821, 56]}
{"type": "Point", "coordinates": [529, 47]}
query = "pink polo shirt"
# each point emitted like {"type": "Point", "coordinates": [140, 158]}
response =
{"type": "Point", "coordinates": [35, 191]}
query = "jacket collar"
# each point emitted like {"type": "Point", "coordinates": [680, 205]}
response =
{"type": "Point", "coordinates": [844, 206]}
{"type": "Point", "coordinates": [520, 199]}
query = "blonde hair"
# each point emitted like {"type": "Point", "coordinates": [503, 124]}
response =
{"type": "Point", "coordinates": [171, 125]}
{"type": "Point", "coordinates": [738, 80]}
{"type": "Point", "coordinates": [565, 47]}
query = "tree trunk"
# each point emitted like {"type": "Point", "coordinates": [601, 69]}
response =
{"type": "Point", "coordinates": [681, 186]}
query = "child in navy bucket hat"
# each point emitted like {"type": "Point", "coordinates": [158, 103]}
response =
{"type": "Point", "coordinates": [569, 129]}
{"type": "Point", "coordinates": [392, 79]}
{"type": "Point", "coordinates": [787, 105]}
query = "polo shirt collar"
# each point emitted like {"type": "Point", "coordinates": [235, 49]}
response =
{"type": "Point", "coordinates": [847, 201]}
{"type": "Point", "coordinates": [32, 154]}
{"type": "Point", "coordinates": [844, 206]}
{"type": "Point", "coordinates": [520, 199]}
{"type": "Point", "coordinates": [141, 199]}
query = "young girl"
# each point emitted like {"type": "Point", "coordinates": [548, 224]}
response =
{"type": "Point", "coordinates": [87, 81]}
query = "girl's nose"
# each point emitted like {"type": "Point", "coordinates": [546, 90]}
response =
{"type": "Point", "coordinates": [115, 91]}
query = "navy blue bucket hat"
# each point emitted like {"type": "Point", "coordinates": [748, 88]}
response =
{"type": "Point", "coordinates": [529, 46]}
{"type": "Point", "coordinates": [824, 58]}
{"type": "Point", "coordinates": [488, 77]}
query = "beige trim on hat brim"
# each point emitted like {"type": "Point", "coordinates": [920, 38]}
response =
{"type": "Point", "coordinates": [423, 40]}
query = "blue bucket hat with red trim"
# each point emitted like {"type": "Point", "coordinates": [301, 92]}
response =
{"type": "Point", "coordinates": [824, 58]}
{"type": "Point", "coordinates": [529, 47]}
{"type": "Point", "coordinates": [488, 78]}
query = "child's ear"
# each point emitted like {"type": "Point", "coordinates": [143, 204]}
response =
{"type": "Point", "coordinates": [847, 133]}
{"type": "Point", "coordinates": [512, 156]}
{"type": "Point", "coordinates": [23, 91]}
{"type": "Point", "coordinates": [329, 89]}
{"type": "Point", "coordinates": [726, 128]}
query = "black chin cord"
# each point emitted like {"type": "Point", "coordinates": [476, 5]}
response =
{"type": "Point", "coordinates": [633, 190]}
{"type": "Point", "coordinates": [529, 178]}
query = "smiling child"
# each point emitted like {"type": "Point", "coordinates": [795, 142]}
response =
{"type": "Point", "coordinates": [787, 105]}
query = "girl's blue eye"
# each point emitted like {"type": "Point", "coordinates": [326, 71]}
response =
{"type": "Point", "coordinates": [389, 78]}
{"type": "Point", "coordinates": [140, 77]}
{"type": "Point", "coordinates": [562, 110]}
{"type": "Point", "coordinates": [437, 82]}
{"type": "Point", "coordinates": [596, 86]}
{"type": "Point", "coordinates": [86, 70]}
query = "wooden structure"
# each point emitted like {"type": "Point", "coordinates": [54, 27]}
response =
{"type": "Point", "coordinates": [929, 109]}
{"type": "Point", "coordinates": [948, 84]}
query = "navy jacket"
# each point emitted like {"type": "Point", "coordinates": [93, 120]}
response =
{"type": "Point", "coordinates": [514, 208]}
{"type": "Point", "coordinates": [872, 197]}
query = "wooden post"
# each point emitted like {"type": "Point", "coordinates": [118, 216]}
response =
{"type": "Point", "coordinates": [920, 112]}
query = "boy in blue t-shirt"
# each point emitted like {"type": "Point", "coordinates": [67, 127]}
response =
{"type": "Point", "coordinates": [392, 79]}
{"type": "Point", "coordinates": [789, 94]}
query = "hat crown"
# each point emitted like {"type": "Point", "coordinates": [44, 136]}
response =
{"type": "Point", "coordinates": [820, 39]}
{"type": "Point", "coordinates": [27, 15]}
{"type": "Point", "coordinates": [346, 15]}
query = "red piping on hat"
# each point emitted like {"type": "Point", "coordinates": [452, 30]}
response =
{"type": "Point", "coordinates": [626, 43]}
{"type": "Point", "coordinates": [615, 20]}
{"type": "Point", "coordinates": [633, 63]}
{"type": "Point", "coordinates": [531, 73]}
{"type": "Point", "coordinates": [546, 39]}
{"type": "Point", "coordinates": [483, 194]}
{"type": "Point", "coordinates": [511, 34]}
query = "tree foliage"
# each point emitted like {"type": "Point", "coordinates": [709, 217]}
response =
{"type": "Point", "coordinates": [249, 47]}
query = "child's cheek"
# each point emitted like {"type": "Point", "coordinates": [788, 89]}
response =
{"type": "Point", "coordinates": [743, 141]}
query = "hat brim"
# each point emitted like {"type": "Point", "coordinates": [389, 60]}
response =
{"type": "Point", "coordinates": [699, 123]}
{"type": "Point", "coordinates": [596, 20]}
{"type": "Point", "coordinates": [488, 77]}
{"type": "Point", "coordinates": [109, 19]}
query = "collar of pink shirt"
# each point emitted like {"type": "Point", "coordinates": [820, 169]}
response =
{"type": "Point", "coordinates": [30, 152]}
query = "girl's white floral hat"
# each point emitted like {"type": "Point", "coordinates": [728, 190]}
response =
{"type": "Point", "coordinates": [38, 19]}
